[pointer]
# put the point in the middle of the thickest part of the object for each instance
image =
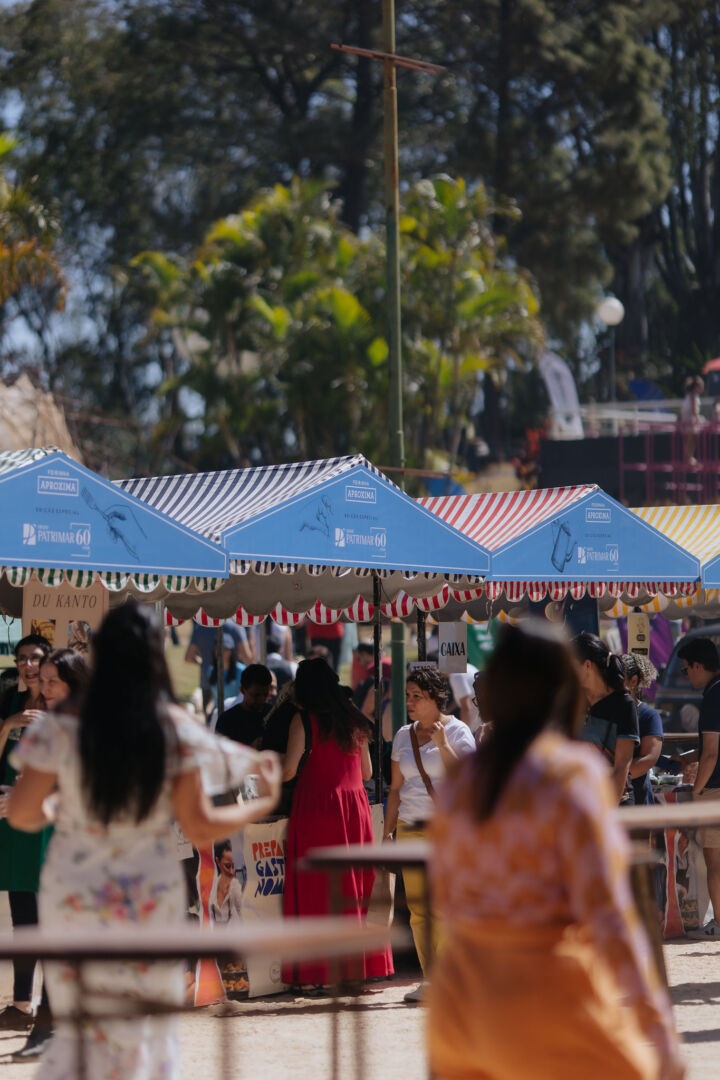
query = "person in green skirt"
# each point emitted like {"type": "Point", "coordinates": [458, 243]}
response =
{"type": "Point", "coordinates": [21, 853]}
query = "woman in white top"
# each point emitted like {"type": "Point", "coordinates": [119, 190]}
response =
{"type": "Point", "coordinates": [439, 740]}
{"type": "Point", "coordinates": [124, 769]}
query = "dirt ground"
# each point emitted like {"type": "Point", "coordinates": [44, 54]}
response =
{"type": "Point", "coordinates": [378, 1030]}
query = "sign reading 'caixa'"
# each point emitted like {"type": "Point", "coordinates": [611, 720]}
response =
{"type": "Point", "coordinates": [356, 518]}
{"type": "Point", "coordinates": [55, 513]}
{"type": "Point", "coordinates": [595, 539]}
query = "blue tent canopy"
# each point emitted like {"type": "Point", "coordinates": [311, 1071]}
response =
{"type": "Point", "coordinates": [566, 534]}
{"type": "Point", "coordinates": [594, 539]}
{"type": "Point", "coordinates": [58, 514]}
{"type": "Point", "coordinates": [340, 512]}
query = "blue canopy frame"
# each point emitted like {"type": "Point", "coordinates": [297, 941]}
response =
{"type": "Point", "coordinates": [594, 539]}
{"type": "Point", "coordinates": [339, 512]}
{"type": "Point", "coordinates": [358, 519]}
{"type": "Point", "coordinates": [58, 514]}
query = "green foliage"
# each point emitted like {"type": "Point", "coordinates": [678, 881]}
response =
{"type": "Point", "coordinates": [30, 275]}
{"type": "Point", "coordinates": [467, 308]}
{"type": "Point", "coordinates": [278, 318]}
{"type": "Point", "coordinates": [680, 302]}
{"type": "Point", "coordinates": [590, 130]}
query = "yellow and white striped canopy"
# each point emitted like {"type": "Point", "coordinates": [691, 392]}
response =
{"type": "Point", "coordinates": [696, 528]}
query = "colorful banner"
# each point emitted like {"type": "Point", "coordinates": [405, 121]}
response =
{"type": "Point", "coordinates": [683, 877]}
{"type": "Point", "coordinates": [594, 539]}
{"type": "Point", "coordinates": [264, 849]}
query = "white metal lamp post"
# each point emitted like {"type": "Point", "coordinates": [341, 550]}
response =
{"type": "Point", "coordinates": [611, 312]}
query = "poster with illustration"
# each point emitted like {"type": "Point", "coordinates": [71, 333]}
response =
{"type": "Point", "coordinates": [682, 877]}
{"type": "Point", "coordinates": [225, 904]}
{"type": "Point", "coordinates": [79, 633]}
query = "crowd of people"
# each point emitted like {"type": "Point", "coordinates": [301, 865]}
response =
{"type": "Point", "coordinates": [531, 914]}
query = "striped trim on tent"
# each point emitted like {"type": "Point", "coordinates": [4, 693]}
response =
{"type": "Point", "coordinates": [18, 575]}
{"type": "Point", "coordinates": [210, 503]}
{"type": "Point", "coordinates": [360, 611]}
{"type": "Point", "coordinates": [203, 619]}
{"type": "Point", "coordinates": [434, 603]}
{"type": "Point", "coordinates": [244, 618]}
{"type": "Point", "coordinates": [324, 616]}
{"type": "Point", "coordinates": [80, 579]}
{"type": "Point", "coordinates": [50, 578]}
{"type": "Point", "coordinates": [286, 618]}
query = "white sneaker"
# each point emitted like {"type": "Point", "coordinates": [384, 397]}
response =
{"type": "Point", "coordinates": [709, 930]}
{"type": "Point", "coordinates": [415, 997]}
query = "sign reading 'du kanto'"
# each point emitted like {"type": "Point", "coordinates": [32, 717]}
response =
{"type": "Point", "coordinates": [64, 615]}
{"type": "Point", "coordinates": [55, 513]}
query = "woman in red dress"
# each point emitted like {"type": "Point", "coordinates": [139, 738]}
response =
{"type": "Point", "coordinates": [330, 807]}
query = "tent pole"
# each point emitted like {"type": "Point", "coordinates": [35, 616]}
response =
{"type": "Point", "coordinates": [421, 636]}
{"type": "Point", "coordinates": [220, 669]}
{"type": "Point", "coordinates": [377, 649]}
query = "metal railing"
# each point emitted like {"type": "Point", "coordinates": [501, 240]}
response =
{"type": "Point", "coordinates": [291, 940]}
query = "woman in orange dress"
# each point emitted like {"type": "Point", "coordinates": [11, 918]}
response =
{"type": "Point", "coordinates": [546, 971]}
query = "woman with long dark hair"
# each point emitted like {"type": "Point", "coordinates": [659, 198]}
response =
{"type": "Point", "coordinates": [128, 765]}
{"type": "Point", "coordinates": [545, 971]}
{"type": "Point", "coordinates": [64, 675]}
{"type": "Point", "coordinates": [330, 806]}
{"type": "Point", "coordinates": [611, 723]}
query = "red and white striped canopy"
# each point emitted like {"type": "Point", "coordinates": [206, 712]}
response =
{"type": "Point", "coordinates": [493, 519]}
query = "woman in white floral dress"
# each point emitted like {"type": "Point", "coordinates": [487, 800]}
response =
{"type": "Point", "coordinates": [128, 766]}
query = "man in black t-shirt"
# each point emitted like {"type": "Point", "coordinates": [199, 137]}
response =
{"type": "Point", "coordinates": [245, 722]}
{"type": "Point", "coordinates": [701, 665]}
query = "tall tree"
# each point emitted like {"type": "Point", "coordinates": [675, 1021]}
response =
{"type": "Point", "coordinates": [31, 280]}
{"type": "Point", "coordinates": [147, 120]}
{"type": "Point", "coordinates": [684, 290]}
{"type": "Point", "coordinates": [557, 107]}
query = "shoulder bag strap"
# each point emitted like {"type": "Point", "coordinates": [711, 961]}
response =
{"type": "Point", "coordinates": [420, 767]}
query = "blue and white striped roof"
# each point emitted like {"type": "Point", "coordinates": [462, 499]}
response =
{"type": "Point", "coordinates": [210, 503]}
{"type": "Point", "coordinates": [16, 459]}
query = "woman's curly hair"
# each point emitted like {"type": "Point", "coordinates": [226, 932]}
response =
{"type": "Point", "coordinates": [432, 683]}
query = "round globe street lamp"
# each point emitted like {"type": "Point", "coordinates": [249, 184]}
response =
{"type": "Point", "coordinates": [611, 312]}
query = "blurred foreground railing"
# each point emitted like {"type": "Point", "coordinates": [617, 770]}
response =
{"type": "Point", "coordinates": [292, 940]}
{"type": "Point", "coordinates": [636, 819]}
